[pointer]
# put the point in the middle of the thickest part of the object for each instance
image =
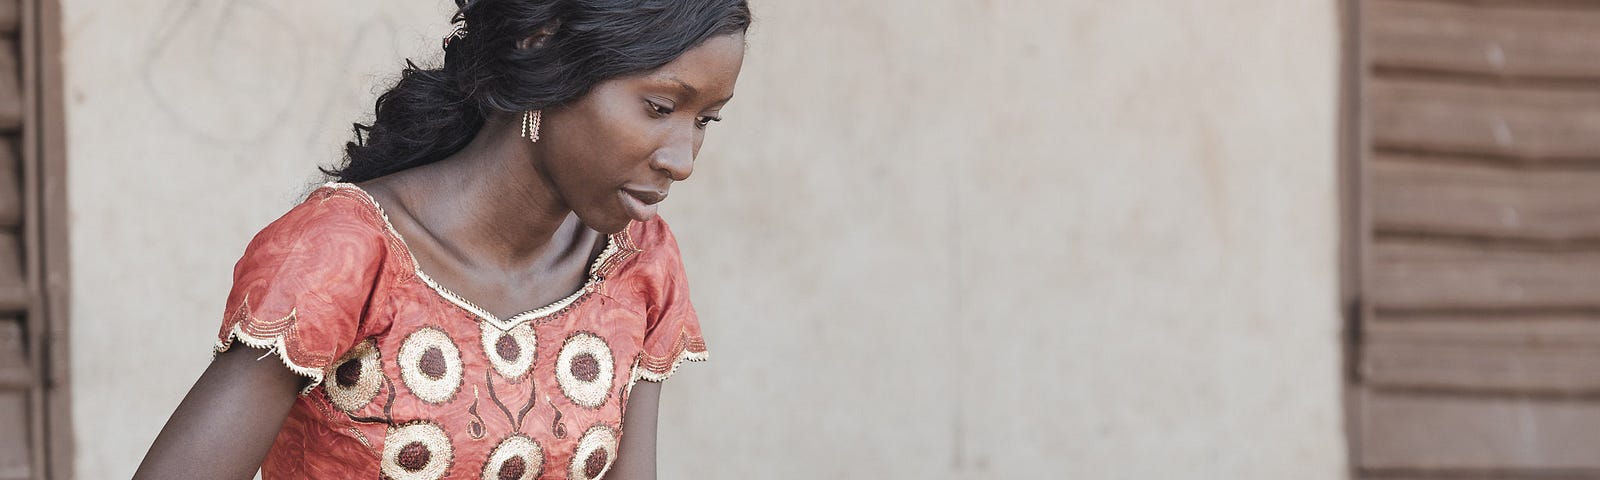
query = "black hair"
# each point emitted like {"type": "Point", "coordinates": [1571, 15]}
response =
{"type": "Point", "coordinates": [431, 113]}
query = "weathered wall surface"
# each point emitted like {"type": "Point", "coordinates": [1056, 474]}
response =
{"type": "Point", "coordinates": [955, 239]}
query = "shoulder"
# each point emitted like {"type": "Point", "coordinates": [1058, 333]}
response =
{"type": "Point", "coordinates": [333, 213]}
{"type": "Point", "coordinates": [336, 224]}
{"type": "Point", "coordinates": [655, 243]}
{"type": "Point", "coordinates": [643, 260]}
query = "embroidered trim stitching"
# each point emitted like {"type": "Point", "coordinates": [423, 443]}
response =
{"type": "Point", "coordinates": [689, 350]}
{"type": "Point", "coordinates": [277, 342]}
{"type": "Point", "coordinates": [657, 369]}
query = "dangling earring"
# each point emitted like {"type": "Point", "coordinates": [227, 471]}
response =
{"type": "Point", "coordinates": [530, 125]}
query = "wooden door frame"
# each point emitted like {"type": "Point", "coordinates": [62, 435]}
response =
{"type": "Point", "coordinates": [1354, 219]}
{"type": "Point", "coordinates": [45, 235]}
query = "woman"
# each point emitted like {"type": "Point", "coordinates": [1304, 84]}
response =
{"type": "Point", "coordinates": [524, 172]}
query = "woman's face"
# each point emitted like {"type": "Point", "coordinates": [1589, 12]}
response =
{"type": "Point", "coordinates": [613, 153]}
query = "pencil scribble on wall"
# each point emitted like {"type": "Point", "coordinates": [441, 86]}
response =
{"type": "Point", "coordinates": [241, 54]}
{"type": "Point", "coordinates": [375, 38]}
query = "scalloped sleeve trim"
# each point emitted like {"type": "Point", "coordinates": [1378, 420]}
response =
{"type": "Point", "coordinates": [276, 336]}
{"type": "Point", "coordinates": [657, 368]}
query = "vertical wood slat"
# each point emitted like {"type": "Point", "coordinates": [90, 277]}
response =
{"type": "Point", "coordinates": [26, 82]}
{"type": "Point", "coordinates": [1486, 40]}
{"type": "Point", "coordinates": [42, 58]}
{"type": "Point", "coordinates": [1355, 217]}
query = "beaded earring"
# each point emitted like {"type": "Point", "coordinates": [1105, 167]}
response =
{"type": "Point", "coordinates": [530, 125]}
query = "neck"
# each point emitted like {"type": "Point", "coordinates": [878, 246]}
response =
{"type": "Point", "coordinates": [489, 202]}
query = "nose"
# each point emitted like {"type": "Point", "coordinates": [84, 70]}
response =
{"type": "Point", "coordinates": [676, 158]}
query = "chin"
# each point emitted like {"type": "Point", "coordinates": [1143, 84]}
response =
{"type": "Point", "coordinates": [607, 225]}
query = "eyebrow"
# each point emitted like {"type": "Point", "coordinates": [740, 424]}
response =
{"type": "Point", "coordinates": [685, 85]}
{"type": "Point", "coordinates": [693, 92]}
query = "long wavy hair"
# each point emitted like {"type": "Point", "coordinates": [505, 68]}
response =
{"type": "Point", "coordinates": [431, 113]}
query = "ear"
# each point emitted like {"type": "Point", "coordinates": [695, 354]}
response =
{"type": "Point", "coordinates": [542, 36]}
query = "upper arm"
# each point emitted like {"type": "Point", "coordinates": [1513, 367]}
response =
{"type": "Point", "coordinates": [227, 422]}
{"type": "Point", "coordinates": [636, 457]}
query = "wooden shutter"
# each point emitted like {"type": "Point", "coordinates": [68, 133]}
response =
{"type": "Point", "coordinates": [1476, 239]}
{"type": "Point", "coordinates": [34, 427]}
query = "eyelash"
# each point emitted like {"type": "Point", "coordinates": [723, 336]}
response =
{"type": "Point", "coordinates": [663, 110]}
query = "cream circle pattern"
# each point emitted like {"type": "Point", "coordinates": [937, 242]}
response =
{"type": "Point", "coordinates": [512, 352]}
{"type": "Point", "coordinates": [597, 450]}
{"type": "Point", "coordinates": [416, 451]}
{"type": "Point", "coordinates": [354, 379]}
{"type": "Point", "coordinates": [585, 369]}
{"type": "Point", "coordinates": [515, 458]}
{"type": "Point", "coordinates": [430, 365]}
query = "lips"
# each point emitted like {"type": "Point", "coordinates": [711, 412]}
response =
{"type": "Point", "coordinates": [649, 197]}
{"type": "Point", "coordinates": [640, 204]}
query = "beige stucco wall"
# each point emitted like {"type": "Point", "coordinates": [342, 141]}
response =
{"type": "Point", "coordinates": [934, 239]}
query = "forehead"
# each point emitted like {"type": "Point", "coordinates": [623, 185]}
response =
{"type": "Point", "coordinates": [710, 69]}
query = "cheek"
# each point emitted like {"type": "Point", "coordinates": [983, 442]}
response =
{"type": "Point", "coordinates": [627, 143]}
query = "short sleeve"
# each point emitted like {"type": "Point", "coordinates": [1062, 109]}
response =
{"type": "Point", "coordinates": [672, 334]}
{"type": "Point", "coordinates": [303, 284]}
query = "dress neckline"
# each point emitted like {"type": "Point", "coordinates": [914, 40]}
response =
{"type": "Point", "coordinates": [598, 267]}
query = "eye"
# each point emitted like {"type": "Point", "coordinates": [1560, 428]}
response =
{"type": "Point", "coordinates": [705, 121]}
{"type": "Point", "coordinates": [657, 109]}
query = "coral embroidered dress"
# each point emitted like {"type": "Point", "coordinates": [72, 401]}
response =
{"type": "Point", "coordinates": [409, 381]}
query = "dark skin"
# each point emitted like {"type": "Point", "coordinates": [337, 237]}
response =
{"type": "Point", "coordinates": [510, 225]}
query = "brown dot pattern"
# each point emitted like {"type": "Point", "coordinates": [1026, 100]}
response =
{"type": "Point", "coordinates": [507, 348]}
{"type": "Point", "coordinates": [414, 456]}
{"type": "Point", "coordinates": [432, 363]}
{"type": "Point", "coordinates": [585, 367]}
{"type": "Point", "coordinates": [348, 373]}
{"type": "Point", "coordinates": [513, 468]}
{"type": "Point", "coordinates": [596, 464]}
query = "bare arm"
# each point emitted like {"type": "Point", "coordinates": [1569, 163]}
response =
{"type": "Point", "coordinates": [226, 424]}
{"type": "Point", "coordinates": [636, 457]}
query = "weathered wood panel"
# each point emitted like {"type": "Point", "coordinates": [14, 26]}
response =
{"type": "Point", "coordinates": [1551, 354]}
{"type": "Point", "coordinates": [10, 86]}
{"type": "Point", "coordinates": [1478, 433]}
{"type": "Point", "coordinates": [15, 456]}
{"type": "Point", "coordinates": [10, 16]}
{"type": "Point", "coordinates": [1422, 274]}
{"type": "Point", "coordinates": [1423, 195]}
{"type": "Point", "coordinates": [10, 184]}
{"type": "Point", "coordinates": [11, 204]}
{"type": "Point", "coordinates": [1462, 118]}
{"type": "Point", "coordinates": [1498, 40]}
{"type": "Point", "coordinates": [14, 371]}
{"type": "Point", "coordinates": [1481, 249]}
{"type": "Point", "coordinates": [14, 295]}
